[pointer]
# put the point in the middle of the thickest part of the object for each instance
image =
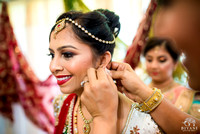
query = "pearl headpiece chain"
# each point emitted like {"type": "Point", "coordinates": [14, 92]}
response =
{"type": "Point", "coordinates": [61, 24]}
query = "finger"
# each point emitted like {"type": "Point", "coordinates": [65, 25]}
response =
{"type": "Point", "coordinates": [87, 87]}
{"type": "Point", "coordinates": [120, 66]}
{"type": "Point", "coordinates": [109, 65]}
{"type": "Point", "coordinates": [111, 80]}
{"type": "Point", "coordinates": [91, 74]}
{"type": "Point", "coordinates": [101, 74]}
{"type": "Point", "coordinates": [114, 66]}
{"type": "Point", "coordinates": [116, 74]}
{"type": "Point", "coordinates": [85, 80]}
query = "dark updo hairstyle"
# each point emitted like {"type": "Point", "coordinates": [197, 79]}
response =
{"type": "Point", "coordinates": [101, 23]}
{"type": "Point", "coordinates": [153, 42]}
{"type": "Point", "coordinates": [164, 3]}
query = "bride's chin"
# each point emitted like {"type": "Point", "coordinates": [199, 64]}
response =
{"type": "Point", "coordinates": [70, 91]}
{"type": "Point", "coordinates": [66, 91]}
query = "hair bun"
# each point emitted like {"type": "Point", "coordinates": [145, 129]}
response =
{"type": "Point", "coordinates": [112, 20]}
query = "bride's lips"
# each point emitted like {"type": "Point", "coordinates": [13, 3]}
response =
{"type": "Point", "coordinates": [61, 79]}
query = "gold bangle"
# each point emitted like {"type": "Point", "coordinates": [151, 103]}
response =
{"type": "Point", "coordinates": [152, 102]}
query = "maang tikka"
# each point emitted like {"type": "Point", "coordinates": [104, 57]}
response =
{"type": "Point", "coordinates": [60, 25]}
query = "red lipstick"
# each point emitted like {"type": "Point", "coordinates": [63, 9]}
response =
{"type": "Point", "coordinates": [61, 79]}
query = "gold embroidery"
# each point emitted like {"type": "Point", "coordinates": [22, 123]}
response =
{"type": "Point", "coordinates": [57, 104]}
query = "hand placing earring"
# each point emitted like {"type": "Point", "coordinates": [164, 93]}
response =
{"type": "Point", "coordinates": [96, 95]}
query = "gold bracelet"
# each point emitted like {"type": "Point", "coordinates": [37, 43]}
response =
{"type": "Point", "coordinates": [152, 102]}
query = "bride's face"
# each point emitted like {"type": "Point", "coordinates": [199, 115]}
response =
{"type": "Point", "coordinates": [70, 60]}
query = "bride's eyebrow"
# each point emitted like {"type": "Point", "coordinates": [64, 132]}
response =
{"type": "Point", "coordinates": [62, 47]}
{"type": "Point", "coordinates": [67, 46]}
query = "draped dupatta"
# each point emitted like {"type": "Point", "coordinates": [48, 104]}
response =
{"type": "Point", "coordinates": [18, 82]}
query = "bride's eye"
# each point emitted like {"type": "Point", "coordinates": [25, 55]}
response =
{"type": "Point", "coordinates": [68, 54]}
{"type": "Point", "coordinates": [51, 55]}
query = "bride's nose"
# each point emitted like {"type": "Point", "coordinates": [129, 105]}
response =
{"type": "Point", "coordinates": [55, 65]}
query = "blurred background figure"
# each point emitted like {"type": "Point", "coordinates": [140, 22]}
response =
{"type": "Point", "coordinates": [161, 60]}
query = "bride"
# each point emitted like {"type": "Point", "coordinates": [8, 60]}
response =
{"type": "Point", "coordinates": [79, 41]}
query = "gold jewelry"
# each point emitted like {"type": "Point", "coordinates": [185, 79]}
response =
{"type": "Point", "coordinates": [75, 122]}
{"type": "Point", "coordinates": [152, 102]}
{"type": "Point", "coordinates": [156, 49]}
{"type": "Point", "coordinates": [170, 86]}
{"type": "Point", "coordinates": [68, 123]}
{"type": "Point", "coordinates": [86, 126]}
{"type": "Point", "coordinates": [60, 27]}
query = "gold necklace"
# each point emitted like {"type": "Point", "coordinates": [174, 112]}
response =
{"type": "Point", "coordinates": [86, 126]}
{"type": "Point", "coordinates": [75, 121]}
{"type": "Point", "coordinates": [166, 88]}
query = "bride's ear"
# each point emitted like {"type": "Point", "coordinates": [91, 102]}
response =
{"type": "Point", "coordinates": [105, 59]}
